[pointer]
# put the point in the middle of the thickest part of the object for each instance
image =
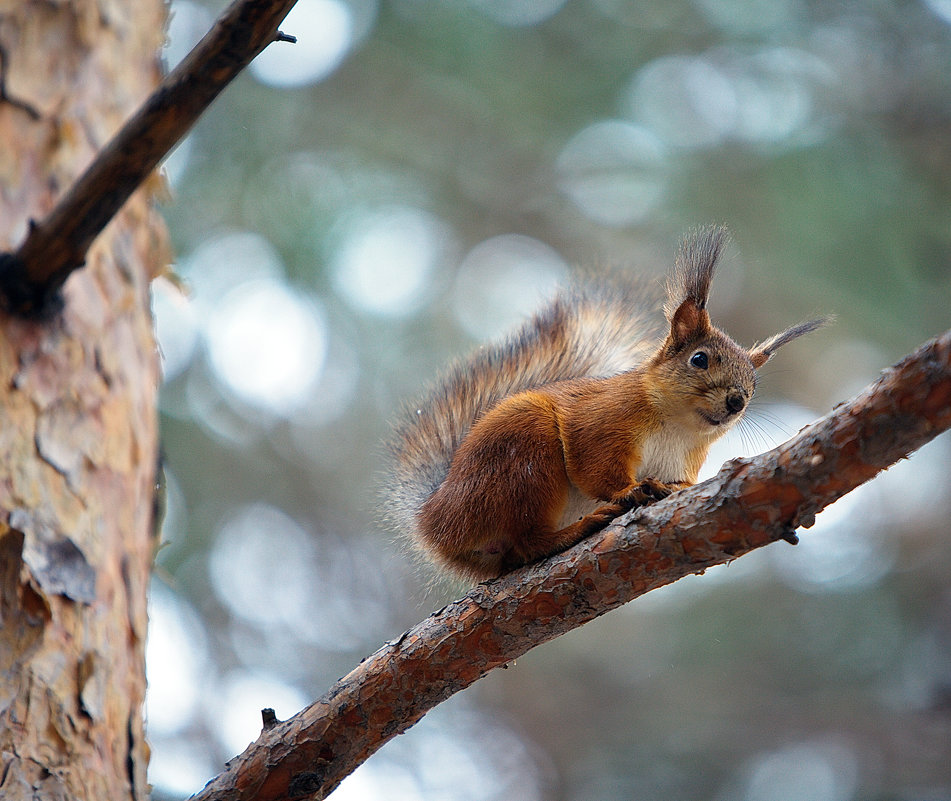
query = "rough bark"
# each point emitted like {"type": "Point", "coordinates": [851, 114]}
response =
{"type": "Point", "coordinates": [78, 399]}
{"type": "Point", "coordinates": [750, 503]}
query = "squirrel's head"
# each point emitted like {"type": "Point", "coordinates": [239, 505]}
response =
{"type": "Point", "coordinates": [706, 379]}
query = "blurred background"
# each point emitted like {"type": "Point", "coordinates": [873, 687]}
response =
{"type": "Point", "coordinates": [413, 178]}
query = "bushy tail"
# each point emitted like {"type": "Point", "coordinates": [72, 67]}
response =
{"type": "Point", "coordinates": [593, 329]}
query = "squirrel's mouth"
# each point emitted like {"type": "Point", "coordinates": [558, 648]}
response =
{"type": "Point", "coordinates": [713, 420]}
{"type": "Point", "coordinates": [728, 411]}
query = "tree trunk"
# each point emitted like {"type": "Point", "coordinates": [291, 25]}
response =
{"type": "Point", "coordinates": [78, 441]}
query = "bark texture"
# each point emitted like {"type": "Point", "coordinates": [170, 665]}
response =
{"type": "Point", "coordinates": [78, 396]}
{"type": "Point", "coordinates": [748, 504]}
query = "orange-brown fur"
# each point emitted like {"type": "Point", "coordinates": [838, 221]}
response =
{"type": "Point", "coordinates": [494, 499]}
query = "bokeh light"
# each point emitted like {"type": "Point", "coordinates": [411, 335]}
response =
{"type": "Point", "coordinates": [687, 100]}
{"type": "Point", "coordinates": [176, 660]}
{"type": "Point", "coordinates": [615, 172]}
{"type": "Point", "coordinates": [260, 565]}
{"type": "Point", "coordinates": [942, 8]}
{"type": "Point", "coordinates": [844, 550]}
{"type": "Point", "coordinates": [457, 754]}
{"type": "Point", "coordinates": [178, 670]}
{"type": "Point", "coordinates": [502, 280]}
{"type": "Point", "coordinates": [386, 257]}
{"type": "Point", "coordinates": [824, 770]}
{"type": "Point", "coordinates": [179, 766]}
{"type": "Point", "coordinates": [751, 17]}
{"type": "Point", "coordinates": [768, 98]}
{"type": "Point", "coordinates": [324, 31]}
{"type": "Point", "coordinates": [224, 260]}
{"type": "Point", "coordinates": [186, 26]}
{"type": "Point", "coordinates": [267, 344]}
{"type": "Point", "coordinates": [269, 572]}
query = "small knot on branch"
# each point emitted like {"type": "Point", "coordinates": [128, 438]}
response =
{"type": "Point", "coordinates": [268, 718]}
{"type": "Point", "coordinates": [285, 37]}
{"type": "Point", "coordinates": [22, 297]}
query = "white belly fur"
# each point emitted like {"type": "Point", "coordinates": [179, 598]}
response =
{"type": "Point", "coordinates": [577, 507]}
{"type": "Point", "coordinates": [664, 455]}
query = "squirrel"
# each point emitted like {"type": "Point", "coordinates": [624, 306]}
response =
{"type": "Point", "coordinates": [591, 407]}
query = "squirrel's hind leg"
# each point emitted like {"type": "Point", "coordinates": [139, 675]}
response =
{"type": "Point", "coordinates": [645, 492]}
{"type": "Point", "coordinates": [479, 564]}
{"type": "Point", "coordinates": [503, 554]}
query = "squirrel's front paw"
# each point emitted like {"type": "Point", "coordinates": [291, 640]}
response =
{"type": "Point", "coordinates": [646, 492]}
{"type": "Point", "coordinates": [654, 490]}
{"type": "Point", "coordinates": [638, 495]}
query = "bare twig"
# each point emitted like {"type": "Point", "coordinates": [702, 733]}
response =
{"type": "Point", "coordinates": [31, 276]}
{"type": "Point", "coordinates": [748, 504]}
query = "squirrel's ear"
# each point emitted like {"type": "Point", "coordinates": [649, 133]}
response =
{"type": "Point", "coordinates": [688, 322]}
{"type": "Point", "coordinates": [760, 353]}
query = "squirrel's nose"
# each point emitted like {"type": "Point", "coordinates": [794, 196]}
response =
{"type": "Point", "coordinates": [735, 402]}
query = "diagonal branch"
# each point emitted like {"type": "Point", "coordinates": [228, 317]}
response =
{"type": "Point", "coordinates": [31, 276]}
{"type": "Point", "coordinates": [748, 504]}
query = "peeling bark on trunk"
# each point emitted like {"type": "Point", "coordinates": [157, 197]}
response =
{"type": "Point", "coordinates": [78, 442]}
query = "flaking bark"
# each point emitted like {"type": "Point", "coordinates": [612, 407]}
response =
{"type": "Point", "coordinates": [78, 440]}
{"type": "Point", "coordinates": [748, 504]}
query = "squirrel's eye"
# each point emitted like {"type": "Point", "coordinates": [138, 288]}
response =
{"type": "Point", "coordinates": [699, 359]}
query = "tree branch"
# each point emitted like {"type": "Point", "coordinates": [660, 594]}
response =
{"type": "Point", "coordinates": [31, 276]}
{"type": "Point", "coordinates": [748, 504]}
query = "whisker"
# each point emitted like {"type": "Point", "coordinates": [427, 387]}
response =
{"type": "Point", "coordinates": [762, 428]}
{"type": "Point", "coordinates": [751, 436]}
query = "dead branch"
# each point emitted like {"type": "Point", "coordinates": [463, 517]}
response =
{"type": "Point", "coordinates": [748, 504]}
{"type": "Point", "coordinates": [31, 276]}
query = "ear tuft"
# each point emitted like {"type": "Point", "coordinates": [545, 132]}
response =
{"type": "Point", "coordinates": [694, 268]}
{"type": "Point", "coordinates": [760, 353]}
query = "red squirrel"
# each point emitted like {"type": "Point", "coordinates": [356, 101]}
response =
{"type": "Point", "coordinates": [585, 409]}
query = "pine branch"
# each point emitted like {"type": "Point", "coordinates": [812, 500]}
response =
{"type": "Point", "coordinates": [31, 277]}
{"type": "Point", "coordinates": [748, 504]}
